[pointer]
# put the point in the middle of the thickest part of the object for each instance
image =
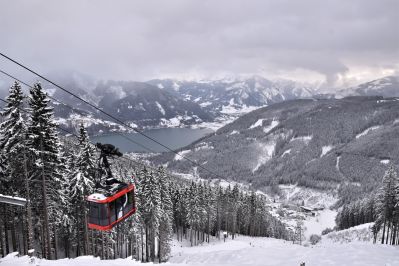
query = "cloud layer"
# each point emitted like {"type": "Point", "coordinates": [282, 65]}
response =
{"type": "Point", "coordinates": [334, 41]}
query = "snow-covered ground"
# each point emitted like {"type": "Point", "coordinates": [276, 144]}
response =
{"type": "Point", "coordinates": [323, 219]}
{"type": "Point", "coordinates": [365, 132]}
{"type": "Point", "coordinates": [251, 251]}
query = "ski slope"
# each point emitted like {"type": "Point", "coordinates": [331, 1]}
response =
{"type": "Point", "coordinates": [251, 251]}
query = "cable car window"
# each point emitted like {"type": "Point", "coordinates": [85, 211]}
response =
{"type": "Point", "coordinates": [112, 213]}
{"type": "Point", "coordinates": [103, 214]}
{"type": "Point", "coordinates": [93, 212]}
{"type": "Point", "coordinates": [129, 205]}
{"type": "Point", "coordinates": [120, 203]}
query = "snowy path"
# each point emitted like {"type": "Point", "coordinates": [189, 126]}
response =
{"type": "Point", "coordinates": [254, 251]}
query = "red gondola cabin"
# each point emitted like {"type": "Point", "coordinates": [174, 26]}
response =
{"type": "Point", "coordinates": [105, 212]}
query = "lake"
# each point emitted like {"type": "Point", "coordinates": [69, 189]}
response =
{"type": "Point", "coordinates": [173, 138]}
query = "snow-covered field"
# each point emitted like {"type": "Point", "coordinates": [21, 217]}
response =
{"type": "Point", "coordinates": [252, 251]}
{"type": "Point", "coordinates": [316, 225]}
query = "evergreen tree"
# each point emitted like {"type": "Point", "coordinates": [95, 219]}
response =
{"type": "Point", "coordinates": [299, 232]}
{"type": "Point", "coordinates": [166, 218]}
{"type": "Point", "coordinates": [45, 168]}
{"type": "Point", "coordinates": [81, 185]}
{"type": "Point", "coordinates": [13, 143]}
{"type": "Point", "coordinates": [14, 178]}
{"type": "Point", "coordinates": [151, 210]}
{"type": "Point", "coordinates": [386, 201]}
{"type": "Point", "coordinates": [193, 215]}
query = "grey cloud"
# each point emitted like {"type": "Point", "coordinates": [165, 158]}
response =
{"type": "Point", "coordinates": [145, 39]}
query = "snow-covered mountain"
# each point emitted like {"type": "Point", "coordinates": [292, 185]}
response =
{"type": "Point", "coordinates": [146, 105]}
{"type": "Point", "coordinates": [387, 87]}
{"type": "Point", "coordinates": [233, 94]}
{"type": "Point", "coordinates": [136, 103]}
{"type": "Point", "coordinates": [177, 103]}
{"type": "Point", "coordinates": [168, 103]}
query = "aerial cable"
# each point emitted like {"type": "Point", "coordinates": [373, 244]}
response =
{"type": "Point", "coordinates": [109, 115]}
{"type": "Point", "coordinates": [76, 110]}
{"type": "Point", "coordinates": [77, 137]}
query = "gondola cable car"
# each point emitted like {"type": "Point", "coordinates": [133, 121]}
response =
{"type": "Point", "coordinates": [114, 200]}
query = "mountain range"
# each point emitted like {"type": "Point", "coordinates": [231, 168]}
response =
{"type": "Point", "coordinates": [178, 103]}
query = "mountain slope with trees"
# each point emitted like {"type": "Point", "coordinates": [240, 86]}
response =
{"type": "Point", "coordinates": [336, 144]}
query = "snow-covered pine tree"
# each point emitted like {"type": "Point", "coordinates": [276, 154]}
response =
{"type": "Point", "coordinates": [13, 159]}
{"type": "Point", "coordinates": [235, 204]}
{"type": "Point", "coordinates": [179, 211]}
{"type": "Point", "coordinates": [67, 227]}
{"type": "Point", "coordinates": [298, 234]}
{"type": "Point", "coordinates": [45, 168]}
{"type": "Point", "coordinates": [166, 219]}
{"type": "Point", "coordinates": [81, 184]}
{"type": "Point", "coordinates": [151, 198]}
{"type": "Point", "coordinates": [210, 210]}
{"type": "Point", "coordinates": [13, 143]}
{"type": "Point", "coordinates": [386, 202]}
{"type": "Point", "coordinates": [201, 209]}
{"type": "Point", "coordinates": [193, 215]}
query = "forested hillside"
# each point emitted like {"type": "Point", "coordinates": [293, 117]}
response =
{"type": "Point", "coordinates": [343, 144]}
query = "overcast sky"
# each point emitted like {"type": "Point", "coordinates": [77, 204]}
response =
{"type": "Point", "coordinates": [340, 42]}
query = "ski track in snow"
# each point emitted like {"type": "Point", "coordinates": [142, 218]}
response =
{"type": "Point", "coordinates": [249, 251]}
{"type": "Point", "coordinates": [272, 125]}
{"type": "Point", "coordinates": [325, 150]}
{"type": "Point", "coordinates": [257, 124]}
{"type": "Point", "coordinates": [179, 156]}
{"type": "Point", "coordinates": [315, 225]}
{"type": "Point", "coordinates": [266, 152]}
{"type": "Point", "coordinates": [160, 108]}
{"type": "Point", "coordinates": [364, 133]}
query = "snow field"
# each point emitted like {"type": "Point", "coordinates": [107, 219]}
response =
{"type": "Point", "coordinates": [315, 225]}
{"type": "Point", "coordinates": [251, 251]}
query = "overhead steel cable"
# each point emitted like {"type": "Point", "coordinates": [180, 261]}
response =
{"type": "Point", "coordinates": [76, 110]}
{"type": "Point", "coordinates": [74, 134]}
{"type": "Point", "coordinates": [77, 137]}
{"type": "Point", "coordinates": [63, 129]}
{"type": "Point", "coordinates": [110, 115]}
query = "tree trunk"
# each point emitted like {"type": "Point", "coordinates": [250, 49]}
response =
{"type": "Point", "coordinates": [383, 233]}
{"type": "Point", "coordinates": [85, 234]}
{"type": "Point", "coordinates": [102, 245]}
{"type": "Point", "coordinates": [13, 233]}
{"type": "Point", "coordinates": [55, 244]}
{"type": "Point", "coordinates": [147, 259]}
{"type": "Point", "coordinates": [159, 248]}
{"type": "Point", "coordinates": [28, 206]}
{"type": "Point", "coordinates": [153, 241]}
{"type": "Point", "coordinates": [387, 238]}
{"type": "Point", "coordinates": [142, 245]}
{"type": "Point", "coordinates": [7, 244]}
{"type": "Point", "coordinates": [47, 246]}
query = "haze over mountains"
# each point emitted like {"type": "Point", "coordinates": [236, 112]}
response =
{"type": "Point", "coordinates": [178, 103]}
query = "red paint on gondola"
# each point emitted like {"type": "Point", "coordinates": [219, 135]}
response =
{"type": "Point", "coordinates": [113, 197]}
